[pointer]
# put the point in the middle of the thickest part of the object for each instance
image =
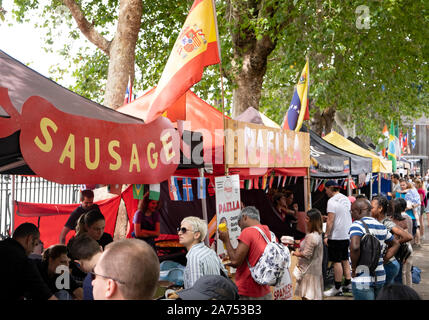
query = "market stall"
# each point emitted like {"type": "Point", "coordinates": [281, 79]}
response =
{"type": "Point", "coordinates": [379, 164]}
{"type": "Point", "coordinates": [49, 131]}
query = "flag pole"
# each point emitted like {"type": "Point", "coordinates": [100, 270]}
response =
{"type": "Point", "coordinates": [204, 208]}
{"type": "Point", "coordinates": [221, 85]}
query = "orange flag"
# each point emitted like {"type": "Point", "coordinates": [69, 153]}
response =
{"type": "Point", "coordinates": [195, 48]}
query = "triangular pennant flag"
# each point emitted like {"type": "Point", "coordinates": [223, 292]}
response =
{"type": "Point", "coordinates": [187, 190]}
{"type": "Point", "coordinates": [211, 189]}
{"type": "Point", "coordinates": [173, 189]}
{"type": "Point", "coordinates": [353, 184]}
{"type": "Point", "coordinates": [296, 179]}
{"type": "Point", "coordinates": [154, 191]}
{"type": "Point", "coordinates": [270, 184]}
{"type": "Point", "coordinates": [201, 187]}
{"type": "Point", "coordinates": [284, 181]}
{"type": "Point", "coordinates": [256, 183]}
{"type": "Point", "coordinates": [248, 184]}
{"type": "Point", "coordinates": [138, 191]}
{"type": "Point", "coordinates": [279, 179]}
{"type": "Point", "coordinates": [264, 181]}
{"type": "Point", "coordinates": [321, 187]}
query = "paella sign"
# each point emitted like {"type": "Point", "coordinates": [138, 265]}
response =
{"type": "Point", "coordinates": [251, 145]}
{"type": "Point", "coordinates": [228, 207]}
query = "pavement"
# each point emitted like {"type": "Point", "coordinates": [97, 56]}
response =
{"type": "Point", "coordinates": [421, 260]}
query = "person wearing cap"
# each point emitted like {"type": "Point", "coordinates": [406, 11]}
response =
{"type": "Point", "coordinates": [210, 287]}
{"type": "Point", "coordinates": [336, 237]}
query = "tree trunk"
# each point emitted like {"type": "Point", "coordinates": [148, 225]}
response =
{"type": "Point", "coordinates": [249, 78]}
{"type": "Point", "coordinates": [122, 52]}
{"type": "Point", "coordinates": [251, 51]}
{"type": "Point", "coordinates": [322, 121]}
{"type": "Point", "coordinates": [248, 91]}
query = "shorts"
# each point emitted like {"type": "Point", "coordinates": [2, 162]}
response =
{"type": "Point", "coordinates": [338, 250]}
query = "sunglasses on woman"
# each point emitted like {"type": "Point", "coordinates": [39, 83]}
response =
{"type": "Point", "coordinates": [184, 230]}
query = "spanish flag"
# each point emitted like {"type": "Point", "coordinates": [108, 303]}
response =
{"type": "Point", "coordinates": [195, 48]}
{"type": "Point", "coordinates": [298, 109]}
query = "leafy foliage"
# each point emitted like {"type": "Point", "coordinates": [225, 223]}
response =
{"type": "Point", "coordinates": [371, 75]}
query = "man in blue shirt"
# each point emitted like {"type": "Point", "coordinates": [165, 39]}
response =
{"type": "Point", "coordinates": [365, 286]}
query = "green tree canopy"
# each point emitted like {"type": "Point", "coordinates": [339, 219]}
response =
{"type": "Point", "coordinates": [367, 63]}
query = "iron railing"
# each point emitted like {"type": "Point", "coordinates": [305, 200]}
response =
{"type": "Point", "coordinates": [31, 189]}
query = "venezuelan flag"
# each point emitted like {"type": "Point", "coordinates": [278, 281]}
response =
{"type": "Point", "coordinates": [296, 114]}
{"type": "Point", "coordinates": [196, 48]}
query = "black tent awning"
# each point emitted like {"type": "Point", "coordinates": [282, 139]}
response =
{"type": "Point", "coordinates": [326, 162]}
{"type": "Point", "coordinates": [358, 165]}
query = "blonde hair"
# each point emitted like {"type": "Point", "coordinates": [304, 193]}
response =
{"type": "Point", "coordinates": [198, 225]}
{"type": "Point", "coordinates": [418, 183]}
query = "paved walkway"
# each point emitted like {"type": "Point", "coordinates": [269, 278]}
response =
{"type": "Point", "coordinates": [421, 260]}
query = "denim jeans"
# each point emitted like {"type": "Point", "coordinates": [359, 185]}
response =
{"type": "Point", "coordinates": [398, 278]}
{"type": "Point", "coordinates": [365, 292]}
{"type": "Point", "coordinates": [392, 270]}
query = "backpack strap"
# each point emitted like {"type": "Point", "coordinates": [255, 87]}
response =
{"type": "Point", "coordinates": [264, 236]}
{"type": "Point", "coordinates": [367, 232]}
{"type": "Point", "coordinates": [366, 227]}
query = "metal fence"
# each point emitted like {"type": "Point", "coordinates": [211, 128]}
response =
{"type": "Point", "coordinates": [31, 189]}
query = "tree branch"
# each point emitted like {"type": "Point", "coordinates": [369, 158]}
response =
{"type": "Point", "coordinates": [87, 28]}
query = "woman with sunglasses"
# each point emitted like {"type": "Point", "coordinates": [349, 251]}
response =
{"type": "Point", "coordinates": [146, 221]}
{"type": "Point", "coordinates": [201, 260]}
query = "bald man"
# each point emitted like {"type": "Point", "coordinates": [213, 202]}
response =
{"type": "Point", "coordinates": [127, 270]}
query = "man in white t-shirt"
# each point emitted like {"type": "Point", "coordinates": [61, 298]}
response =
{"type": "Point", "coordinates": [337, 237]}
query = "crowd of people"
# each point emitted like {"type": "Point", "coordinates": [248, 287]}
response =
{"type": "Point", "coordinates": [91, 266]}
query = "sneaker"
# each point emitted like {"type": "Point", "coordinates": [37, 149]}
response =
{"type": "Point", "coordinates": [347, 288]}
{"type": "Point", "coordinates": [333, 292]}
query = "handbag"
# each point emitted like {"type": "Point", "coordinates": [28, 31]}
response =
{"type": "Point", "coordinates": [403, 253]}
{"type": "Point", "coordinates": [284, 289]}
{"type": "Point", "coordinates": [297, 272]}
{"type": "Point", "coordinates": [415, 274]}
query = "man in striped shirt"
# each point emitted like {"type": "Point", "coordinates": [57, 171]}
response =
{"type": "Point", "coordinates": [201, 260]}
{"type": "Point", "coordinates": [364, 286]}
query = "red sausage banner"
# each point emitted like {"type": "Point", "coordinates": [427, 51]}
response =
{"type": "Point", "coordinates": [71, 149]}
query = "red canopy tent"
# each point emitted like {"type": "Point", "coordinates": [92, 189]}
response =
{"type": "Point", "coordinates": [52, 132]}
{"type": "Point", "coordinates": [204, 118]}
